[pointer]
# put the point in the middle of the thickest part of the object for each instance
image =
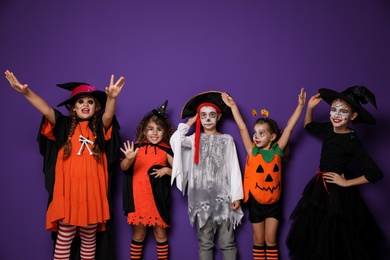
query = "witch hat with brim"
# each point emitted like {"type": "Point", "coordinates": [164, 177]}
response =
{"type": "Point", "coordinates": [80, 89]}
{"type": "Point", "coordinates": [355, 96]}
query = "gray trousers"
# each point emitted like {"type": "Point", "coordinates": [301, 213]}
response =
{"type": "Point", "coordinates": [206, 237]}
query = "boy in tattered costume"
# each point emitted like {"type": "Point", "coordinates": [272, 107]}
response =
{"type": "Point", "coordinates": [208, 163]}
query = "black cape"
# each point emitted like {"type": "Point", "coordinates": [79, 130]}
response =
{"type": "Point", "coordinates": [161, 187]}
{"type": "Point", "coordinates": [49, 150]}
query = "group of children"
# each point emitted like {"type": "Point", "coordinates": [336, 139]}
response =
{"type": "Point", "coordinates": [330, 221]}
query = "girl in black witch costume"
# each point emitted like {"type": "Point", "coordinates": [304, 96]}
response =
{"type": "Point", "coordinates": [147, 181]}
{"type": "Point", "coordinates": [331, 220]}
{"type": "Point", "coordinates": [79, 154]}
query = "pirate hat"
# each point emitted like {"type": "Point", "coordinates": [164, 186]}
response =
{"type": "Point", "coordinates": [354, 96]}
{"type": "Point", "coordinates": [190, 108]}
{"type": "Point", "coordinates": [80, 89]}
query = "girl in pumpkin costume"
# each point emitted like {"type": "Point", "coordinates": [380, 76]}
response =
{"type": "Point", "coordinates": [147, 181]}
{"type": "Point", "coordinates": [79, 160]}
{"type": "Point", "coordinates": [331, 220]}
{"type": "Point", "coordinates": [262, 176]}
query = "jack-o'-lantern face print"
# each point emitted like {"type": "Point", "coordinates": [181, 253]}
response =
{"type": "Point", "coordinates": [263, 179]}
{"type": "Point", "coordinates": [269, 184]}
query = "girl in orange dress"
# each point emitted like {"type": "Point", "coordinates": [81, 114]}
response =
{"type": "Point", "coordinates": [79, 151]}
{"type": "Point", "coordinates": [147, 181]}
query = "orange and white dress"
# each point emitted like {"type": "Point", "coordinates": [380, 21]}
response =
{"type": "Point", "coordinates": [81, 182]}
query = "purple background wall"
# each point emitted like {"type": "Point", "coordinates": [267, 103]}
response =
{"type": "Point", "coordinates": [261, 52]}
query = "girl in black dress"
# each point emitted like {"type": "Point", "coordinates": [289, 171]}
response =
{"type": "Point", "coordinates": [331, 220]}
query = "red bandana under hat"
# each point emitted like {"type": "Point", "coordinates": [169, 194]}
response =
{"type": "Point", "coordinates": [197, 130]}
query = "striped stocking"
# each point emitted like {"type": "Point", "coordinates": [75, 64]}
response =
{"type": "Point", "coordinates": [162, 250]}
{"type": "Point", "coordinates": [272, 252]}
{"type": "Point", "coordinates": [64, 240]}
{"type": "Point", "coordinates": [88, 242]}
{"type": "Point", "coordinates": [258, 252]}
{"type": "Point", "coordinates": [136, 249]}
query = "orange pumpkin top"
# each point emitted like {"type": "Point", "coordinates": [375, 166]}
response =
{"type": "Point", "coordinates": [263, 174]}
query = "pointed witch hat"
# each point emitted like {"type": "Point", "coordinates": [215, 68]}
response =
{"type": "Point", "coordinates": [80, 89]}
{"type": "Point", "coordinates": [355, 96]}
{"type": "Point", "coordinates": [160, 111]}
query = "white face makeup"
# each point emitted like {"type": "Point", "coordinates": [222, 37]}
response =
{"type": "Point", "coordinates": [154, 133]}
{"type": "Point", "coordinates": [340, 113]}
{"type": "Point", "coordinates": [208, 118]}
{"type": "Point", "coordinates": [261, 136]}
{"type": "Point", "coordinates": [85, 108]}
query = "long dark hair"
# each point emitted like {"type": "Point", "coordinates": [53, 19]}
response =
{"type": "Point", "coordinates": [74, 122]}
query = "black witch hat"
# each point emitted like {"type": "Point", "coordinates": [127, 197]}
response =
{"type": "Point", "coordinates": [355, 96]}
{"type": "Point", "coordinates": [80, 89]}
{"type": "Point", "coordinates": [160, 111]}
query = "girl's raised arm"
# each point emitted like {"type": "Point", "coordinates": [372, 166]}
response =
{"type": "Point", "coordinates": [112, 92]}
{"type": "Point", "coordinates": [313, 102]}
{"type": "Point", "coordinates": [283, 140]}
{"type": "Point", "coordinates": [33, 98]}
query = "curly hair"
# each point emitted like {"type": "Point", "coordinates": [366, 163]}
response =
{"type": "Point", "coordinates": [163, 122]}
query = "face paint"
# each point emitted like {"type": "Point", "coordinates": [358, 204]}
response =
{"type": "Point", "coordinates": [154, 133]}
{"type": "Point", "coordinates": [340, 113]}
{"type": "Point", "coordinates": [261, 136]}
{"type": "Point", "coordinates": [85, 108]}
{"type": "Point", "coordinates": [208, 117]}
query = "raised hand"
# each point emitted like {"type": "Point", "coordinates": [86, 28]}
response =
{"type": "Point", "coordinates": [229, 101]}
{"type": "Point", "coordinates": [314, 100]}
{"type": "Point", "coordinates": [128, 150]}
{"type": "Point", "coordinates": [113, 90]}
{"type": "Point", "coordinates": [192, 120]}
{"type": "Point", "coordinates": [302, 97]}
{"type": "Point", "coordinates": [14, 82]}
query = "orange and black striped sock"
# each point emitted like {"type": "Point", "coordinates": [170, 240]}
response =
{"type": "Point", "coordinates": [136, 249]}
{"type": "Point", "coordinates": [272, 252]}
{"type": "Point", "coordinates": [258, 252]}
{"type": "Point", "coordinates": [162, 250]}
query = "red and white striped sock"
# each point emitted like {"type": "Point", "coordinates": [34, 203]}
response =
{"type": "Point", "coordinates": [88, 242]}
{"type": "Point", "coordinates": [64, 240]}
